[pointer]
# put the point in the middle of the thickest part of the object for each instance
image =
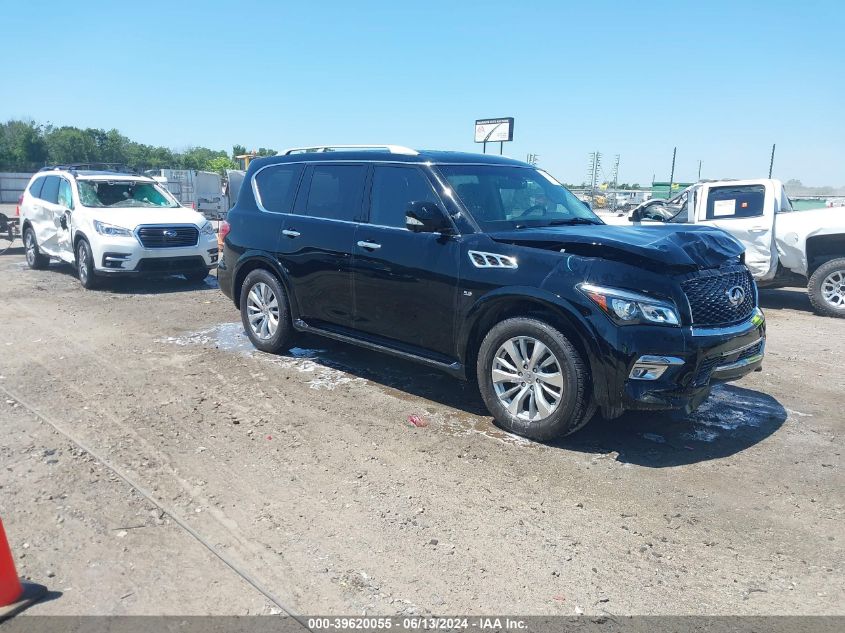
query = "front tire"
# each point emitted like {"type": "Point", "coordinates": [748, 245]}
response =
{"type": "Point", "coordinates": [533, 380]}
{"type": "Point", "coordinates": [34, 258]}
{"type": "Point", "coordinates": [85, 265]}
{"type": "Point", "coordinates": [265, 312]}
{"type": "Point", "coordinates": [827, 288]}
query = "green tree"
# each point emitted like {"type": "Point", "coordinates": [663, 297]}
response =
{"type": "Point", "coordinates": [22, 145]}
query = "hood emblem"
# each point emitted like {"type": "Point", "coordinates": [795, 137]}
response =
{"type": "Point", "coordinates": [736, 295]}
{"type": "Point", "coordinates": [169, 233]}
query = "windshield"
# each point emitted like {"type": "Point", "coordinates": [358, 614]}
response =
{"type": "Point", "coordinates": [502, 197]}
{"type": "Point", "coordinates": [124, 193]}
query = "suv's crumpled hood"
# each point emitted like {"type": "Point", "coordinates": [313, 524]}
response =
{"type": "Point", "coordinates": [132, 217]}
{"type": "Point", "coordinates": [682, 246]}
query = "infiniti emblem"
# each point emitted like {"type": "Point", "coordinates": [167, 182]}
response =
{"type": "Point", "coordinates": [736, 295]}
{"type": "Point", "coordinates": [169, 233]}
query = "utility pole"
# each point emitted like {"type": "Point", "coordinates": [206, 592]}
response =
{"type": "Point", "coordinates": [615, 182]}
{"type": "Point", "coordinates": [699, 170]}
{"type": "Point", "coordinates": [531, 159]}
{"type": "Point", "coordinates": [672, 176]}
{"type": "Point", "coordinates": [772, 162]}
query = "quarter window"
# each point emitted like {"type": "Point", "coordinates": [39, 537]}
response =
{"type": "Point", "coordinates": [743, 201]}
{"type": "Point", "coordinates": [277, 187]}
{"type": "Point", "coordinates": [50, 191]}
{"type": "Point", "coordinates": [393, 189]}
{"type": "Point", "coordinates": [35, 187]}
{"type": "Point", "coordinates": [336, 192]}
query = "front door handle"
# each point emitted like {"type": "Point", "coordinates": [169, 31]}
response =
{"type": "Point", "coordinates": [370, 246]}
{"type": "Point", "coordinates": [290, 233]}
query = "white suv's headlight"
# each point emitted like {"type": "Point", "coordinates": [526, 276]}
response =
{"type": "Point", "coordinates": [627, 308]}
{"type": "Point", "coordinates": [207, 229]}
{"type": "Point", "coordinates": [110, 229]}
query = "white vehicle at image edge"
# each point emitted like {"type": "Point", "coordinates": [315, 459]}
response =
{"type": "Point", "coordinates": [783, 247]}
{"type": "Point", "coordinates": [111, 224]}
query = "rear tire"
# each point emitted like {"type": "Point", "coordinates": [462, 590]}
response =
{"type": "Point", "coordinates": [827, 288]}
{"type": "Point", "coordinates": [265, 312]}
{"type": "Point", "coordinates": [533, 380]}
{"type": "Point", "coordinates": [34, 258]}
{"type": "Point", "coordinates": [85, 265]}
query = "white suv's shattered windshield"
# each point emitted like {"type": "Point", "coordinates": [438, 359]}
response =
{"type": "Point", "coordinates": [124, 193]}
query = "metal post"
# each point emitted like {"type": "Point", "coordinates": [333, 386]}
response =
{"type": "Point", "coordinates": [672, 177]}
{"type": "Point", "coordinates": [772, 162]}
{"type": "Point", "coordinates": [501, 146]}
{"type": "Point", "coordinates": [699, 170]}
{"type": "Point", "coordinates": [485, 147]}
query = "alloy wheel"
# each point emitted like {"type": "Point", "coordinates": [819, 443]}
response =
{"type": "Point", "coordinates": [30, 248]}
{"type": "Point", "coordinates": [833, 289]}
{"type": "Point", "coordinates": [527, 378]}
{"type": "Point", "coordinates": [82, 262]}
{"type": "Point", "coordinates": [263, 311]}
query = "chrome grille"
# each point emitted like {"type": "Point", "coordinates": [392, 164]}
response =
{"type": "Point", "coordinates": [709, 296]}
{"type": "Point", "coordinates": [168, 236]}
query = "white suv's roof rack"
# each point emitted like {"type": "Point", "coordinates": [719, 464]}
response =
{"type": "Point", "coordinates": [393, 149]}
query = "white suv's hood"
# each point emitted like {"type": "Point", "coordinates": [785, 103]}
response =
{"type": "Point", "coordinates": [132, 217]}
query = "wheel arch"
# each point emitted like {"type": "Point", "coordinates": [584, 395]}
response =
{"type": "Point", "coordinates": [255, 261]}
{"type": "Point", "coordinates": [823, 248]}
{"type": "Point", "coordinates": [526, 302]}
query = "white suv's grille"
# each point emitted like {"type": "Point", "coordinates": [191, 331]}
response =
{"type": "Point", "coordinates": [168, 236]}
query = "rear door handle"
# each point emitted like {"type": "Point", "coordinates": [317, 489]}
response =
{"type": "Point", "coordinates": [290, 233]}
{"type": "Point", "coordinates": [370, 246]}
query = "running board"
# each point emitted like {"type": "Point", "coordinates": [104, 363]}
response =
{"type": "Point", "coordinates": [455, 369]}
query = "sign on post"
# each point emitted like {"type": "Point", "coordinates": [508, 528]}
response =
{"type": "Point", "coordinates": [494, 130]}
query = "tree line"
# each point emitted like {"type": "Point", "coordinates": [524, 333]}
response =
{"type": "Point", "coordinates": [28, 146]}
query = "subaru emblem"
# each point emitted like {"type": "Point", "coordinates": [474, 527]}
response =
{"type": "Point", "coordinates": [169, 233]}
{"type": "Point", "coordinates": [736, 295]}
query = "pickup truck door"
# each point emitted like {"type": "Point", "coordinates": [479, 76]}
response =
{"type": "Point", "coordinates": [746, 211]}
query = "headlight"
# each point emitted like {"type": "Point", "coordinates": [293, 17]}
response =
{"type": "Point", "coordinates": [110, 229]}
{"type": "Point", "coordinates": [207, 229]}
{"type": "Point", "coordinates": [626, 308]}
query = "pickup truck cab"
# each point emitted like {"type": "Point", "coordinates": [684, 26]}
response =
{"type": "Point", "coordinates": [783, 246]}
{"type": "Point", "coordinates": [489, 269]}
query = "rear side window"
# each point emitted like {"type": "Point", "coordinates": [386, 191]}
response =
{"type": "Point", "coordinates": [744, 201]}
{"type": "Point", "coordinates": [393, 189]}
{"type": "Point", "coordinates": [50, 191]}
{"type": "Point", "coordinates": [35, 187]}
{"type": "Point", "coordinates": [276, 187]}
{"type": "Point", "coordinates": [336, 192]}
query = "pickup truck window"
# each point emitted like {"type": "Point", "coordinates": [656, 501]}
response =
{"type": "Point", "coordinates": [742, 201]}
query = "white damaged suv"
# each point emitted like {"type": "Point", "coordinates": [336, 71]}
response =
{"type": "Point", "coordinates": [113, 223]}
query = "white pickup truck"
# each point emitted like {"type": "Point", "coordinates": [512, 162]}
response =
{"type": "Point", "coordinates": [783, 247]}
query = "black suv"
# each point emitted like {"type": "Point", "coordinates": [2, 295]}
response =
{"type": "Point", "coordinates": [491, 270]}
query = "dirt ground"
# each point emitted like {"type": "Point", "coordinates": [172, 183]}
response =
{"type": "Point", "coordinates": [304, 474]}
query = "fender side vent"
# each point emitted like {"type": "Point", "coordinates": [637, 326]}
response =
{"type": "Point", "coordinates": [491, 260]}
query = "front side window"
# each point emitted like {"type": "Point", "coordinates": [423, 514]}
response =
{"type": "Point", "coordinates": [393, 189]}
{"type": "Point", "coordinates": [336, 192]}
{"type": "Point", "coordinates": [65, 194]}
{"type": "Point", "coordinates": [276, 187]}
{"type": "Point", "coordinates": [124, 193]}
{"type": "Point", "coordinates": [738, 201]}
{"type": "Point", "coordinates": [50, 190]}
{"type": "Point", "coordinates": [502, 197]}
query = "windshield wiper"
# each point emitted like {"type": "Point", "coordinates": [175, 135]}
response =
{"type": "Point", "coordinates": [571, 221]}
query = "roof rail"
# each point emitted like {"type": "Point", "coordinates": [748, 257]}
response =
{"type": "Point", "coordinates": [115, 167]}
{"type": "Point", "coordinates": [393, 149]}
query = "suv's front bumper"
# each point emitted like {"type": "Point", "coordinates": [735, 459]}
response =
{"type": "Point", "coordinates": [673, 368]}
{"type": "Point", "coordinates": [121, 256]}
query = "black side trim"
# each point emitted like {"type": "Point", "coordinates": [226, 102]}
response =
{"type": "Point", "coordinates": [454, 368]}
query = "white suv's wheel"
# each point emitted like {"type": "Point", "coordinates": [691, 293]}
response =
{"type": "Point", "coordinates": [85, 265]}
{"type": "Point", "coordinates": [34, 258]}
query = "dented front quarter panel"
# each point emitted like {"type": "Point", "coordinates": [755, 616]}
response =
{"type": "Point", "coordinates": [794, 228]}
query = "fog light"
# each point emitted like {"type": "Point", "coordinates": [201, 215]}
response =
{"type": "Point", "coordinates": [653, 367]}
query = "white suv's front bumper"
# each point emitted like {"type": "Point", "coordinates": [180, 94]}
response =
{"type": "Point", "coordinates": [119, 255]}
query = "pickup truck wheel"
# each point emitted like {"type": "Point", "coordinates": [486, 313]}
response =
{"type": "Point", "coordinates": [34, 258]}
{"type": "Point", "coordinates": [265, 312]}
{"type": "Point", "coordinates": [85, 265]}
{"type": "Point", "coordinates": [827, 288]}
{"type": "Point", "coordinates": [533, 380]}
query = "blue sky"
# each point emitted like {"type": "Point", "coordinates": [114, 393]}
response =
{"type": "Point", "coordinates": [721, 80]}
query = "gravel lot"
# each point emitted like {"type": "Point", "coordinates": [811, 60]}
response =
{"type": "Point", "coordinates": [303, 472]}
